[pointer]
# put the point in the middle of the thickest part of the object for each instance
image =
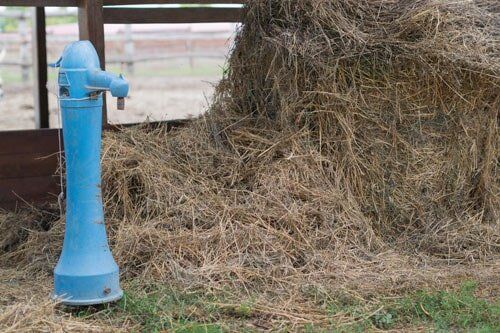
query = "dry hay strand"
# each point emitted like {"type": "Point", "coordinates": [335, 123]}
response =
{"type": "Point", "coordinates": [351, 145]}
{"type": "Point", "coordinates": [25, 306]}
{"type": "Point", "coordinates": [36, 316]}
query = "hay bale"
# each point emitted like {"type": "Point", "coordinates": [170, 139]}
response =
{"type": "Point", "coordinates": [342, 128]}
{"type": "Point", "coordinates": [349, 142]}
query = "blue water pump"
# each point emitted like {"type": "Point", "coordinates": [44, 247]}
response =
{"type": "Point", "coordinates": [86, 272]}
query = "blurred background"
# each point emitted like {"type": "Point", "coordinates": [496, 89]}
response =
{"type": "Point", "coordinates": [172, 68]}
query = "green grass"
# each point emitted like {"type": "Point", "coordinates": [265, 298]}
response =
{"type": "Point", "coordinates": [162, 308]}
{"type": "Point", "coordinates": [459, 310]}
{"type": "Point", "coordinates": [166, 308]}
{"type": "Point", "coordinates": [55, 20]}
{"type": "Point", "coordinates": [439, 311]}
{"type": "Point", "coordinates": [12, 75]}
{"type": "Point", "coordinates": [159, 308]}
{"type": "Point", "coordinates": [180, 70]}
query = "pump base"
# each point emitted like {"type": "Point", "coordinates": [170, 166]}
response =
{"type": "Point", "coordinates": [87, 290]}
{"type": "Point", "coordinates": [82, 302]}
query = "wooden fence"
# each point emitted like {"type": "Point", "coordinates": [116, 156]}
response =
{"type": "Point", "coordinates": [22, 39]}
{"type": "Point", "coordinates": [28, 159]}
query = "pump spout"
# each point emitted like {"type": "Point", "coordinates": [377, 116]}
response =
{"type": "Point", "coordinates": [100, 80]}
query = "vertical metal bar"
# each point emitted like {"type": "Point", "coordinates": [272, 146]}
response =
{"type": "Point", "coordinates": [91, 27]}
{"type": "Point", "coordinates": [39, 46]}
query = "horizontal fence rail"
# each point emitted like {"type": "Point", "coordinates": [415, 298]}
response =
{"type": "Point", "coordinates": [172, 15]}
{"type": "Point", "coordinates": [168, 2]}
{"type": "Point", "coordinates": [76, 3]}
{"type": "Point", "coordinates": [140, 37]}
{"type": "Point", "coordinates": [40, 3]}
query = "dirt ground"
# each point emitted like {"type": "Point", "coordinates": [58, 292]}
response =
{"type": "Point", "coordinates": [152, 98]}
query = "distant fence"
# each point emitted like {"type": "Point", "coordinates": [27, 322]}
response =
{"type": "Point", "coordinates": [127, 37]}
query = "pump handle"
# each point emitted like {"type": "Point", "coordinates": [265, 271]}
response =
{"type": "Point", "coordinates": [120, 103]}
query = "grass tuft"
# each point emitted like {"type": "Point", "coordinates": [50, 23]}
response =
{"type": "Point", "coordinates": [163, 308]}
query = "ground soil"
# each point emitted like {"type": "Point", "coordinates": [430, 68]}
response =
{"type": "Point", "coordinates": [158, 98]}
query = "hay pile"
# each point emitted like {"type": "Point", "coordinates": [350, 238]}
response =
{"type": "Point", "coordinates": [351, 145]}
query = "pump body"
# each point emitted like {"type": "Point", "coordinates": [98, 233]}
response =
{"type": "Point", "coordinates": [86, 272]}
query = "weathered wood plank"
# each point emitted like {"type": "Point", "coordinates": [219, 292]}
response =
{"type": "Point", "coordinates": [74, 3]}
{"type": "Point", "coordinates": [40, 3]}
{"type": "Point", "coordinates": [28, 165]}
{"type": "Point", "coordinates": [154, 2]}
{"type": "Point", "coordinates": [172, 15]}
{"type": "Point", "coordinates": [29, 141]}
{"type": "Point", "coordinates": [40, 190]}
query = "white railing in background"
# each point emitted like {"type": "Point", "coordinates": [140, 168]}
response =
{"type": "Point", "coordinates": [22, 39]}
{"type": "Point", "coordinates": [3, 52]}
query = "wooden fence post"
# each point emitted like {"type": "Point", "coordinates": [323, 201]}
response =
{"type": "Point", "coordinates": [129, 48]}
{"type": "Point", "coordinates": [24, 47]}
{"type": "Point", "coordinates": [39, 46]}
{"type": "Point", "coordinates": [91, 27]}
